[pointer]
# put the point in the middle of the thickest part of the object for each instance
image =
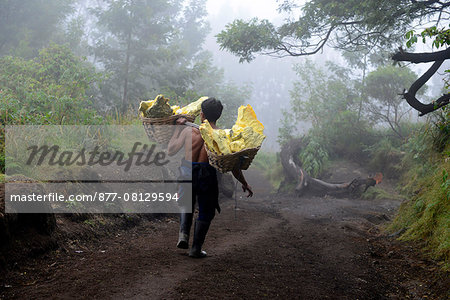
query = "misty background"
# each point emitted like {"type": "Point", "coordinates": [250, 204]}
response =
{"type": "Point", "coordinates": [183, 59]}
{"type": "Point", "coordinates": [272, 78]}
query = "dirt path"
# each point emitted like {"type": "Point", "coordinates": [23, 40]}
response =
{"type": "Point", "coordinates": [314, 248]}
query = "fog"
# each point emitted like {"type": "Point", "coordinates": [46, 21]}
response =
{"type": "Point", "coordinates": [272, 78]}
{"type": "Point", "coordinates": [158, 57]}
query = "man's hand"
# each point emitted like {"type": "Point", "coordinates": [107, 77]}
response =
{"type": "Point", "coordinates": [237, 173]}
{"type": "Point", "coordinates": [180, 121]}
{"type": "Point", "coordinates": [246, 187]}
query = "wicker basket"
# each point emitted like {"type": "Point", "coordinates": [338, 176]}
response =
{"type": "Point", "coordinates": [229, 162]}
{"type": "Point", "coordinates": [162, 134]}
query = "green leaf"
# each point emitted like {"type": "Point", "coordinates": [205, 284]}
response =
{"type": "Point", "coordinates": [408, 34]}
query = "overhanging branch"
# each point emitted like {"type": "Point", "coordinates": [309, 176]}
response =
{"type": "Point", "coordinates": [410, 95]}
{"type": "Point", "coordinates": [421, 57]}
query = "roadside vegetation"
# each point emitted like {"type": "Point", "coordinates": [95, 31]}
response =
{"type": "Point", "coordinates": [425, 181]}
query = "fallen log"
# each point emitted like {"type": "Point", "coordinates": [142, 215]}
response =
{"type": "Point", "coordinates": [305, 184]}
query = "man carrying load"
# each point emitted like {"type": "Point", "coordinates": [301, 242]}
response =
{"type": "Point", "coordinates": [205, 188]}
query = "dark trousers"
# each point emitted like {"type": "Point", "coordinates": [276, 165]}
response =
{"type": "Point", "coordinates": [204, 192]}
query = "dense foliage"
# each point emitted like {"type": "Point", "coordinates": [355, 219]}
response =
{"type": "Point", "coordinates": [52, 88]}
{"type": "Point", "coordinates": [133, 50]}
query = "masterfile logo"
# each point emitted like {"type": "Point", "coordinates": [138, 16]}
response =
{"type": "Point", "coordinates": [92, 169]}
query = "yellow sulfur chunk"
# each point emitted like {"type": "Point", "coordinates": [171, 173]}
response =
{"type": "Point", "coordinates": [192, 109]}
{"type": "Point", "coordinates": [207, 134]}
{"type": "Point", "coordinates": [159, 108]}
{"type": "Point", "coordinates": [237, 145]}
{"type": "Point", "coordinates": [155, 108]}
{"type": "Point", "coordinates": [252, 138]}
{"type": "Point", "coordinates": [246, 133]}
{"type": "Point", "coordinates": [144, 105]}
{"type": "Point", "coordinates": [247, 117]}
{"type": "Point", "coordinates": [174, 108]}
{"type": "Point", "coordinates": [217, 140]}
{"type": "Point", "coordinates": [222, 139]}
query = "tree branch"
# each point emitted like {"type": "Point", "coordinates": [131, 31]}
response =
{"type": "Point", "coordinates": [421, 57]}
{"type": "Point", "coordinates": [410, 96]}
{"type": "Point", "coordinates": [320, 45]}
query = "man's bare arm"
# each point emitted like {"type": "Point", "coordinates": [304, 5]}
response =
{"type": "Point", "coordinates": [178, 138]}
{"type": "Point", "coordinates": [237, 173]}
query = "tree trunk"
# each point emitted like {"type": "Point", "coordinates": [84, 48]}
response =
{"type": "Point", "coordinates": [363, 87]}
{"type": "Point", "coordinates": [305, 184]}
{"type": "Point", "coordinates": [127, 67]}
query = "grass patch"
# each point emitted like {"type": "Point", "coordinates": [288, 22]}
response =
{"type": "Point", "coordinates": [426, 216]}
{"type": "Point", "coordinates": [2, 178]}
{"type": "Point", "coordinates": [375, 193]}
{"type": "Point", "coordinates": [2, 159]}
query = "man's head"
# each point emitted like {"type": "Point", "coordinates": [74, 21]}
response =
{"type": "Point", "coordinates": [211, 110]}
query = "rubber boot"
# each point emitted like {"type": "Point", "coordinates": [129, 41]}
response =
{"type": "Point", "coordinates": [200, 231]}
{"type": "Point", "coordinates": [185, 229]}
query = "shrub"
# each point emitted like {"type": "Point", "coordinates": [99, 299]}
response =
{"type": "Point", "coordinates": [313, 157]}
{"type": "Point", "coordinates": [440, 131]}
{"type": "Point", "coordinates": [385, 158]}
{"type": "Point", "coordinates": [50, 89]}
